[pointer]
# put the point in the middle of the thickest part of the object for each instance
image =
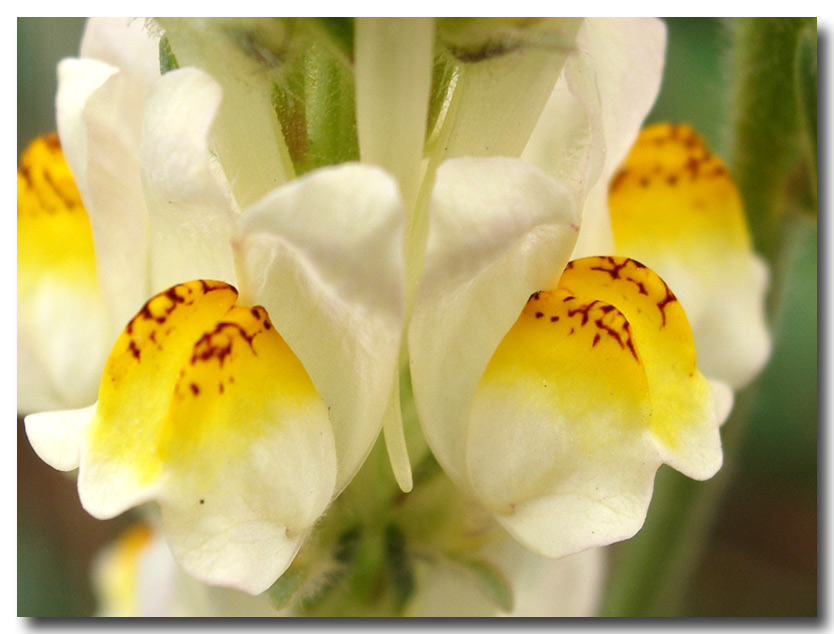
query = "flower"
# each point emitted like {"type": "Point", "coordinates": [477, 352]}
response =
{"type": "Point", "coordinates": [183, 370]}
{"type": "Point", "coordinates": [550, 389]}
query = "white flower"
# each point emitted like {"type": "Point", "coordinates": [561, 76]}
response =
{"type": "Point", "coordinates": [203, 406]}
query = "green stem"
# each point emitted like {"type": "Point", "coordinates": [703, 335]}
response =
{"type": "Point", "coordinates": [766, 126]}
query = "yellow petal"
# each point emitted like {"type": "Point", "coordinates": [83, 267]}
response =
{"type": "Point", "coordinates": [590, 391]}
{"type": "Point", "coordinates": [673, 193]}
{"type": "Point", "coordinates": [53, 230]}
{"type": "Point", "coordinates": [654, 327]}
{"type": "Point", "coordinates": [142, 370]}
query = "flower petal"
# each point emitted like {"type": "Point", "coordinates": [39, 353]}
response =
{"type": "Point", "coordinates": [498, 230]}
{"type": "Point", "coordinates": [204, 408]}
{"type": "Point", "coordinates": [57, 436]}
{"type": "Point", "coordinates": [594, 387]}
{"type": "Point", "coordinates": [568, 141]}
{"type": "Point", "coordinates": [541, 587]}
{"type": "Point", "coordinates": [627, 58]}
{"type": "Point", "coordinates": [191, 210]}
{"type": "Point", "coordinates": [236, 52]}
{"type": "Point", "coordinates": [699, 243]}
{"type": "Point", "coordinates": [99, 110]}
{"type": "Point", "coordinates": [393, 80]}
{"type": "Point", "coordinates": [126, 43]}
{"type": "Point", "coordinates": [56, 275]}
{"type": "Point", "coordinates": [324, 255]}
{"type": "Point", "coordinates": [503, 83]}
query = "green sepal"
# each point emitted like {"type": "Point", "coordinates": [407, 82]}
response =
{"type": "Point", "coordinates": [340, 34]}
{"type": "Point", "coordinates": [400, 568]}
{"type": "Point", "coordinates": [167, 59]}
{"type": "Point", "coordinates": [285, 588]}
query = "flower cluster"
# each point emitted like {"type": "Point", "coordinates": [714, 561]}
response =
{"type": "Point", "coordinates": [319, 230]}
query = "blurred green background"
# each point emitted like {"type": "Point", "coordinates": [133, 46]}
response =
{"type": "Point", "coordinates": [760, 553]}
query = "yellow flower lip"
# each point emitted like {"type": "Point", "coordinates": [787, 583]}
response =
{"type": "Point", "coordinates": [54, 238]}
{"type": "Point", "coordinates": [593, 387]}
{"type": "Point", "coordinates": [188, 356]}
{"type": "Point", "coordinates": [671, 182]}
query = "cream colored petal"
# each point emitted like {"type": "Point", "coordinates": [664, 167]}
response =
{"type": "Point", "coordinates": [500, 94]}
{"type": "Point", "coordinates": [498, 231]}
{"type": "Point", "coordinates": [628, 58]}
{"type": "Point", "coordinates": [540, 587]}
{"type": "Point", "coordinates": [568, 141]}
{"type": "Point", "coordinates": [99, 112]}
{"type": "Point", "coordinates": [324, 255]}
{"type": "Point", "coordinates": [126, 43]}
{"type": "Point", "coordinates": [243, 56]}
{"type": "Point", "coordinates": [57, 437]}
{"type": "Point", "coordinates": [393, 80]}
{"type": "Point", "coordinates": [191, 211]}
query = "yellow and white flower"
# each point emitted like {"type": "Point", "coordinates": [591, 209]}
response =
{"type": "Point", "coordinates": [243, 435]}
{"type": "Point", "coordinates": [549, 386]}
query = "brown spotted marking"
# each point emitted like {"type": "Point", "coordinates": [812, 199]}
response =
{"type": "Point", "coordinates": [616, 268]}
{"type": "Point", "coordinates": [219, 344]}
{"type": "Point", "coordinates": [668, 299]}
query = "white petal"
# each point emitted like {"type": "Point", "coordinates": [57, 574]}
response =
{"type": "Point", "coordinates": [62, 345]}
{"type": "Point", "coordinates": [735, 313]}
{"type": "Point", "coordinates": [628, 56]}
{"type": "Point", "coordinates": [395, 445]}
{"type": "Point", "coordinates": [571, 586]}
{"type": "Point", "coordinates": [498, 99]}
{"type": "Point", "coordinates": [191, 212]}
{"type": "Point", "coordinates": [499, 230]}
{"type": "Point", "coordinates": [723, 399]}
{"type": "Point", "coordinates": [324, 255]}
{"type": "Point", "coordinates": [57, 436]}
{"type": "Point", "coordinates": [250, 147]}
{"type": "Point", "coordinates": [99, 113]}
{"type": "Point", "coordinates": [245, 524]}
{"type": "Point", "coordinates": [568, 141]}
{"type": "Point", "coordinates": [126, 43]}
{"type": "Point", "coordinates": [393, 79]}
{"type": "Point", "coordinates": [541, 587]}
